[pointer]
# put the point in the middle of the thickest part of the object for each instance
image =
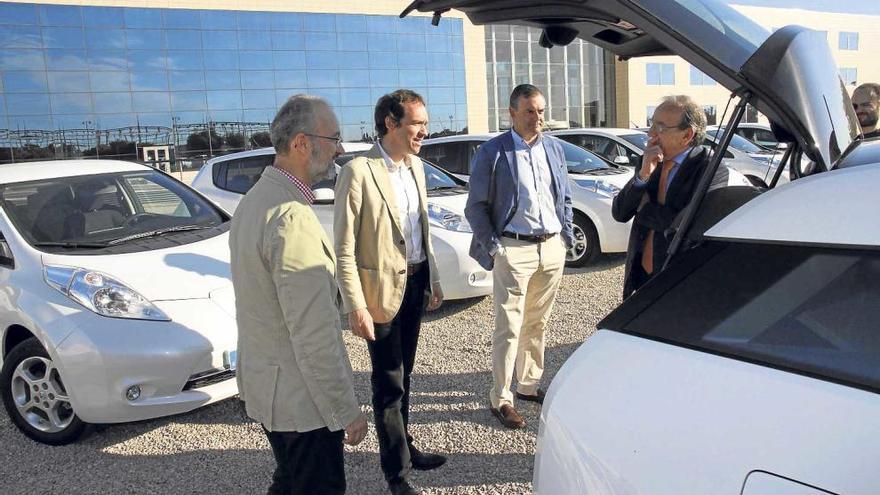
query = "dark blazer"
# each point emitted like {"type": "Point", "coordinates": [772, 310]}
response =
{"type": "Point", "coordinates": [650, 215]}
{"type": "Point", "coordinates": [494, 193]}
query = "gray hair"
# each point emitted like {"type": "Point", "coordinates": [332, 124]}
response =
{"type": "Point", "coordinates": [299, 114]}
{"type": "Point", "coordinates": [692, 115]}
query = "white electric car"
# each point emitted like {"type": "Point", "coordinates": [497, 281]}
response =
{"type": "Point", "coordinates": [116, 300]}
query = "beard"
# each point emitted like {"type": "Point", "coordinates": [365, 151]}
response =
{"type": "Point", "coordinates": [321, 168]}
{"type": "Point", "coordinates": [869, 119]}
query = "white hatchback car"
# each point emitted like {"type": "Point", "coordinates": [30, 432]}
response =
{"type": "Point", "coordinates": [594, 183]}
{"type": "Point", "coordinates": [116, 300]}
{"type": "Point", "coordinates": [227, 178]}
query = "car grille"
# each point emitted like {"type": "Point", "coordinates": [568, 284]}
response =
{"type": "Point", "coordinates": [209, 377]}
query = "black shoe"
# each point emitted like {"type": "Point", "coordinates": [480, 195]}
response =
{"type": "Point", "coordinates": [538, 397]}
{"type": "Point", "coordinates": [403, 488]}
{"type": "Point", "coordinates": [423, 461]}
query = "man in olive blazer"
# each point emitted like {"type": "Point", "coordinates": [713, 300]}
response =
{"type": "Point", "coordinates": [294, 374]}
{"type": "Point", "coordinates": [387, 272]}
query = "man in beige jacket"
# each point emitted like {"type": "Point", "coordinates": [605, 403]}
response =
{"type": "Point", "coordinates": [294, 374]}
{"type": "Point", "coordinates": [387, 272]}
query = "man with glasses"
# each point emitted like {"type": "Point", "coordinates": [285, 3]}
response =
{"type": "Point", "coordinates": [662, 186]}
{"type": "Point", "coordinates": [387, 272]}
{"type": "Point", "coordinates": [866, 102]}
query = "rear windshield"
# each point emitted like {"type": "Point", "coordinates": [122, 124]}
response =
{"type": "Point", "coordinates": [804, 309]}
{"type": "Point", "coordinates": [739, 142]}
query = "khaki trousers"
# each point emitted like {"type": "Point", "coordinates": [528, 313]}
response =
{"type": "Point", "coordinates": [526, 277]}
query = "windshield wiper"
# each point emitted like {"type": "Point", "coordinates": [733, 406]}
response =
{"type": "Point", "coordinates": [72, 244]}
{"type": "Point", "coordinates": [158, 232]}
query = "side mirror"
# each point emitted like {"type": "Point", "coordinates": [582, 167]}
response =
{"type": "Point", "coordinates": [324, 196]}
{"type": "Point", "coordinates": [621, 160]}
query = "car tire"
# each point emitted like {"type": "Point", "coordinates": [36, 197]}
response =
{"type": "Point", "coordinates": [585, 246]}
{"type": "Point", "coordinates": [35, 398]}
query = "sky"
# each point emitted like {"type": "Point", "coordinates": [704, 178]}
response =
{"type": "Point", "coordinates": [870, 7]}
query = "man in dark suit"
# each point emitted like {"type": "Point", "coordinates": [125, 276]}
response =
{"type": "Point", "coordinates": [662, 186]}
{"type": "Point", "coordinates": [519, 207]}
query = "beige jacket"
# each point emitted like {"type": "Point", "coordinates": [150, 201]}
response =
{"type": "Point", "coordinates": [293, 370]}
{"type": "Point", "coordinates": [370, 249]}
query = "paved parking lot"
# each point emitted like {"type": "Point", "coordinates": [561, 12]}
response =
{"type": "Point", "coordinates": [218, 450]}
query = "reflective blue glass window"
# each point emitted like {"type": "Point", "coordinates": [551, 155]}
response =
{"type": "Point", "coordinates": [182, 19]}
{"type": "Point", "coordinates": [114, 121]}
{"type": "Point", "coordinates": [111, 102]}
{"type": "Point", "coordinates": [411, 42]}
{"type": "Point", "coordinates": [257, 79]}
{"type": "Point", "coordinates": [381, 42]}
{"type": "Point", "coordinates": [383, 60]}
{"type": "Point", "coordinates": [440, 112]}
{"type": "Point", "coordinates": [188, 100]}
{"type": "Point", "coordinates": [154, 118]}
{"type": "Point", "coordinates": [187, 80]}
{"type": "Point", "coordinates": [258, 98]}
{"type": "Point", "coordinates": [258, 21]}
{"type": "Point", "coordinates": [185, 60]}
{"type": "Point", "coordinates": [407, 60]}
{"type": "Point", "coordinates": [281, 95]}
{"type": "Point", "coordinates": [254, 40]}
{"type": "Point", "coordinates": [437, 44]}
{"type": "Point", "coordinates": [355, 115]}
{"type": "Point", "coordinates": [183, 40]}
{"type": "Point", "coordinates": [329, 94]}
{"type": "Point", "coordinates": [63, 37]}
{"type": "Point", "coordinates": [145, 39]}
{"type": "Point", "coordinates": [29, 121]}
{"type": "Point", "coordinates": [60, 15]}
{"type": "Point", "coordinates": [107, 60]}
{"type": "Point", "coordinates": [220, 40]}
{"type": "Point", "coordinates": [459, 77]}
{"type": "Point", "coordinates": [110, 81]}
{"type": "Point", "coordinates": [434, 60]}
{"type": "Point", "coordinates": [73, 121]}
{"type": "Point", "coordinates": [441, 95]}
{"type": "Point", "coordinates": [143, 18]}
{"type": "Point", "coordinates": [287, 40]}
{"type": "Point", "coordinates": [353, 60]}
{"type": "Point", "coordinates": [290, 79]}
{"type": "Point", "coordinates": [150, 102]}
{"type": "Point", "coordinates": [220, 60]}
{"type": "Point", "coordinates": [68, 82]}
{"type": "Point", "coordinates": [264, 115]}
{"type": "Point", "coordinates": [413, 77]}
{"type": "Point", "coordinates": [461, 97]}
{"type": "Point", "coordinates": [286, 21]}
{"type": "Point", "coordinates": [66, 60]}
{"type": "Point", "coordinates": [350, 23]}
{"type": "Point", "coordinates": [25, 82]}
{"type": "Point", "coordinates": [355, 96]}
{"type": "Point", "coordinates": [319, 22]}
{"type": "Point", "coordinates": [415, 24]}
{"type": "Point", "coordinates": [377, 92]}
{"type": "Point", "coordinates": [382, 24]}
{"type": "Point", "coordinates": [28, 104]}
{"type": "Point", "coordinates": [149, 81]}
{"type": "Point", "coordinates": [440, 78]}
{"type": "Point", "coordinates": [224, 100]}
{"type": "Point", "coordinates": [457, 60]}
{"type": "Point", "coordinates": [18, 13]}
{"type": "Point", "coordinates": [323, 78]}
{"type": "Point", "coordinates": [351, 41]}
{"type": "Point", "coordinates": [384, 77]}
{"type": "Point", "coordinates": [225, 116]}
{"type": "Point", "coordinates": [255, 60]}
{"type": "Point", "coordinates": [20, 37]}
{"type": "Point", "coordinates": [189, 118]}
{"type": "Point", "coordinates": [223, 79]}
{"type": "Point", "coordinates": [321, 41]}
{"type": "Point", "coordinates": [146, 59]}
{"type": "Point", "coordinates": [352, 78]}
{"type": "Point", "coordinates": [321, 60]}
{"type": "Point", "coordinates": [456, 44]}
{"type": "Point", "coordinates": [218, 19]}
{"type": "Point", "coordinates": [103, 39]}
{"type": "Point", "coordinates": [71, 103]}
{"type": "Point", "coordinates": [103, 17]}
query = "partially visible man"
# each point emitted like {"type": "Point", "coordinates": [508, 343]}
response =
{"type": "Point", "coordinates": [387, 271]}
{"type": "Point", "coordinates": [294, 374]}
{"type": "Point", "coordinates": [519, 207]}
{"type": "Point", "coordinates": [866, 102]}
{"type": "Point", "coordinates": [663, 185]}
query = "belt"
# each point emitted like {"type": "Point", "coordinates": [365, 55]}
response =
{"type": "Point", "coordinates": [527, 237]}
{"type": "Point", "coordinates": [413, 268]}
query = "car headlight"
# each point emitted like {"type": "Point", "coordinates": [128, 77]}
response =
{"type": "Point", "coordinates": [598, 186]}
{"type": "Point", "coordinates": [447, 219]}
{"type": "Point", "coordinates": [101, 293]}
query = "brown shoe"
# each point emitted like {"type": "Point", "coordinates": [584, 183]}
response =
{"type": "Point", "coordinates": [508, 416]}
{"type": "Point", "coordinates": [538, 397]}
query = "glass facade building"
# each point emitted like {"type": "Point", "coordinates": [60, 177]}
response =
{"type": "Point", "coordinates": [100, 68]}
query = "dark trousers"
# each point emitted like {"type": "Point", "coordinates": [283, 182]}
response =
{"type": "Point", "coordinates": [393, 356]}
{"type": "Point", "coordinates": [308, 463]}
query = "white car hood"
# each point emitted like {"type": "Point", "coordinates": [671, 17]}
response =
{"type": "Point", "coordinates": [191, 271]}
{"type": "Point", "coordinates": [455, 202]}
{"type": "Point", "coordinates": [618, 180]}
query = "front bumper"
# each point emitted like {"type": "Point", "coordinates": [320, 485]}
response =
{"type": "Point", "coordinates": [178, 365]}
{"type": "Point", "coordinates": [460, 275]}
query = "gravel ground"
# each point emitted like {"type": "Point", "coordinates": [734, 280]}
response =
{"type": "Point", "coordinates": [217, 449]}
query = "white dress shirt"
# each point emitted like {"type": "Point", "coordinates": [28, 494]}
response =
{"type": "Point", "coordinates": [408, 212]}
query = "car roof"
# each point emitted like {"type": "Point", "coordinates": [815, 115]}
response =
{"type": "Point", "coordinates": [461, 137]}
{"type": "Point", "coordinates": [27, 171]}
{"type": "Point", "coordinates": [349, 147]}
{"type": "Point", "coordinates": [608, 131]}
{"type": "Point", "coordinates": [787, 214]}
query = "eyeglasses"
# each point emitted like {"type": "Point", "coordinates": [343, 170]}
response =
{"type": "Point", "coordinates": [660, 128]}
{"type": "Point", "coordinates": [337, 140]}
